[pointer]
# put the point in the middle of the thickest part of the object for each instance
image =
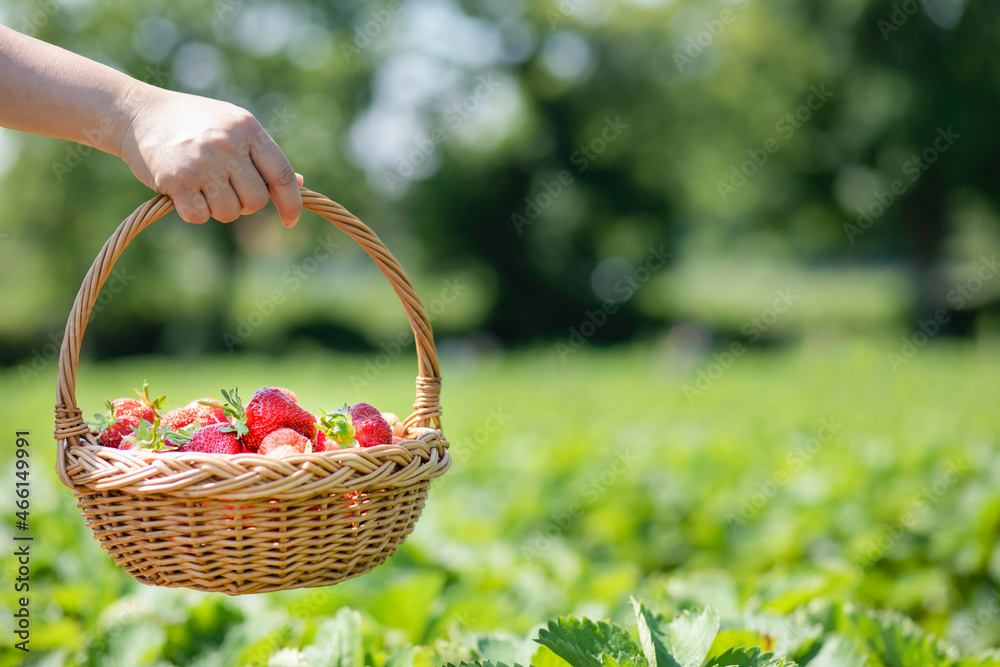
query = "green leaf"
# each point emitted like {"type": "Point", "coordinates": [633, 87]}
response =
{"type": "Point", "coordinates": [788, 634]}
{"type": "Point", "coordinates": [285, 657]}
{"type": "Point", "coordinates": [741, 638]}
{"type": "Point", "coordinates": [748, 657]}
{"type": "Point", "coordinates": [338, 642]}
{"type": "Point", "coordinates": [623, 660]}
{"type": "Point", "coordinates": [138, 643]}
{"type": "Point", "coordinates": [839, 651]}
{"type": "Point", "coordinates": [582, 643]}
{"type": "Point", "coordinates": [482, 663]}
{"type": "Point", "coordinates": [894, 639]}
{"type": "Point", "coordinates": [544, 657]}
{"type": "Point", "coordinates": [403, 657]}
{"type": "Point", "coordinates": [990, 658]}
{"type": "Point", "coordinates": [682, 642]}
{"type": "Point", "coordinates": [502, 647]}
{"type": "Point", "coordinates": [234, 406]}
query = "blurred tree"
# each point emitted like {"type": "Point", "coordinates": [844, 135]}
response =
{"type": "Point", "coordinates": [548, 149]}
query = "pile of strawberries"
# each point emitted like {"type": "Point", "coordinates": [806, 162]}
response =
{"type": "Point", "coordinates": [272, 423]}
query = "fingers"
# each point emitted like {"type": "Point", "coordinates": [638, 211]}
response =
{"type": "Point", "coordinates": [250, 188]}
{"type": "Point", "coordinates": [192, 207]}
{"type": "Point", "coordinates": [280, 178]}
{"type": "Point", "coordinates": [222, 200]}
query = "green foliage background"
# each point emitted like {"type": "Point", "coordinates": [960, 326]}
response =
{"type": "Point", "coordinates": [662, 468]}
{"type": "Point", "coordinates": [447, 126]}
{"type": "Point", "coordinates": [578, 484]}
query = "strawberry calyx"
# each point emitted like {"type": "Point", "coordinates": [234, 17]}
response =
{"type": "Point", "coordinates": [337, 426]}
{"type": "Point", "coordinates": [180, 436]}
{"type": "Point", "coordinates": [149, 436]}
{"type": "Point", "coordinates": [234, 406]}
{"type": "Point", "coordinates": [103, 422]}
{"type": "Point", "coordinates": [156, 404]}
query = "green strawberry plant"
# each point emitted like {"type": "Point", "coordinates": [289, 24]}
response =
{"type": "Point", "coordinates": [856, 638]}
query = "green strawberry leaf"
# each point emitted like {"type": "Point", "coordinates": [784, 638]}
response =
{"type": "Point", "coordinates": [990, 658]}
{"type": "Point", "coordinates": [894, 639]}
{"type": "Point", "coordinates": [103, 422]}
{"type": "Point", "coordinates": [234, 406]}
{"type": "Point", "coordinates": [155, 404]}
{"type": "Point", "coordinates": [402, 657]}
{"type": "Point", "coordinates": [338, 428]}
{"type": "Point", "coordinates": [839, 651]}
{"type": "Point", "coordinates": [544, 657]}
{"type": "Point", "coordinates": [182, 435]}
{"type": "Point", "coordinates": [502, 647]}
{"type": "Point", "coordinates": [581, 643]}
{"type": "Point", "coordinates": [338, 642]}
{"type": "Point", "coordinates": [683, 642]}
{"type": "Point", "coordinates": [788, 635]}
{"type": "Point", "coordinates": [748, 657]}
{"type": "Point", "coordinates": [143, 437]}
{"type": "Point", "coordinates": [623, 660]}
{"type": "Point", "coordinates": [730, 638]}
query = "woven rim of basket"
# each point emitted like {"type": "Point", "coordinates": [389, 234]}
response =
{"type": "Point", "coordinates": [82, 462]}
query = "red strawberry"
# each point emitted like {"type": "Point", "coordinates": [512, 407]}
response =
{"type": "Point", "coordinates": [398, 430]}
{"type": "Point", "coordinates": [285, 438]}
{"type": "Point", "coordinates": [289, 393]}
{"type": "Point", "coordinates": [208, 414]}
{"type": "Point", "coordinates": [124, 416]}
{"type": "Point", "coordinates": [269, 410]}
{"type": "Point", "coordinates": [362, 411]}
{"type": "Point", "coordinates": [113, 429]}
{"type": "Point", "coordinates": [178, 418]}
{"type": "Point", "coordinates": [131, 407]}
{"type": "Point", "coordinates": [370, 427]}
{"type": "Point", "coordinates": [321, 442]}
{"type": "Point", "coordinates": [213, 439]}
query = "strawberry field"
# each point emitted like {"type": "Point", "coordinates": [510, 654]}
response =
{"type": "Point", "coordinates": [811, 506]}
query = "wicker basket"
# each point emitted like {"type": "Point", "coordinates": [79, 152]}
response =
{"type": "Point", "coordinates": [248, 523]}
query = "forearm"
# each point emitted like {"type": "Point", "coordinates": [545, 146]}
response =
{"type": "Point", "coordinates": [47, 90]}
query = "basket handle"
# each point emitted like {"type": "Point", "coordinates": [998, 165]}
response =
{"type": "Point", "coordinates": [69, 418]}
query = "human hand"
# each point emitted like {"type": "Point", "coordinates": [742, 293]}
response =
{"type": "Point", "coordinates": [212, 158]}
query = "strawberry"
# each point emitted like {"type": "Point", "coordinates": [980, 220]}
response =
{"type": "Point", "coordinates": [142, 408]}
{"type": "Point", "coordinates": [289, 394]}
{"type": "Point", "coordinates": [361, 411]}
{"type": "Point", "coordinates": [111, 430]}
{"type": "Point", "coordinates": [268, 410]}
{"type": "Point", "coordinates": [198, 410]}
{"type": "Point", "coordinates": [213, 439]}
{"type": "Point", "coordinates": [131, 407]}
{"type": "Point", "coordinates": [120, 419]}
{"type": "Point", "coordinates": [398, 430]}
{"type": "Point", "coordinates": [285, 438]}
{"type": "Point", "coordinates": [370, 427]}
{"type": "Point", "coordinates": [206, 410]}
{"type": "Point", "coordinates": [323, 443]}
{"type": "Point", "coordinates": [124, 416]}
{"type": "Point", "coordinates": [278, 452]}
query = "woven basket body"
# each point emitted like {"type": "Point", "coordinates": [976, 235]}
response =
{"type": "Point", "coordinates": [248, 523]}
